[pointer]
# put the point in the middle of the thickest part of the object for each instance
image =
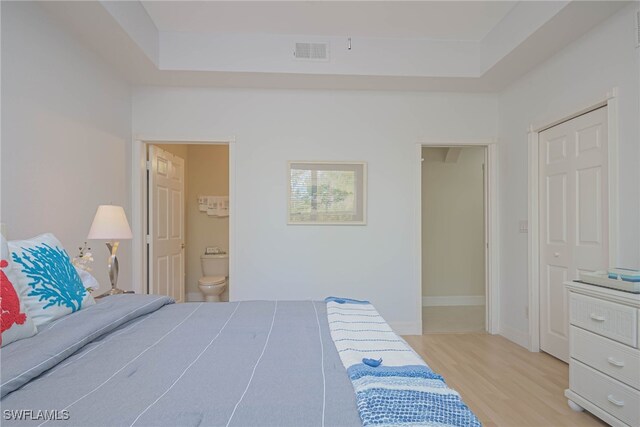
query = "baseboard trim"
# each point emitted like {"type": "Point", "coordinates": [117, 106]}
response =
{"type": "Point", "coordinates": [518, 337]}
{"type": "Point", "coordinates": [194, 297]}
{"type": "Point", "coordinates": [406, 328]}
{"type": "Point", "coordinates": [454, 300]}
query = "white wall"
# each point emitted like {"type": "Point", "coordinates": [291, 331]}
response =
{"type": "Point", "coordinates": [453, 251]}
{"type": "Point", "coordinates": [66, 123]}
{"type": "Point", "coordinates": [276, 261]}
{"type": "Point", "coordinates": [270, 53]}
{"type": "Point", "coordinates": [604, 58]}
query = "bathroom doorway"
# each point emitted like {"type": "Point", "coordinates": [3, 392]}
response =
{"type": "Point", "coordinates": [185, 197]}
{"type": "Point", "coordinates": [456, 267]}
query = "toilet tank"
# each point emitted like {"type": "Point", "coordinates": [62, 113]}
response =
{"type": "Point", "coordinates": [215, 265]}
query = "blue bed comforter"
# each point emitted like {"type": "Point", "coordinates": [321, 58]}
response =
{"type": "Point", "coordinates": [141, 360]}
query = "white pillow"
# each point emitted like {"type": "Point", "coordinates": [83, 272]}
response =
{"type": "Point", "coordinates": [15, 323]}
{"type": "Point", "coordinates": [52, 285]}
{"type": "Point", "coordinates": [88, 281]}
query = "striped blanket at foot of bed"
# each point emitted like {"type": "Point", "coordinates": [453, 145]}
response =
{"type": "Point", "coordinates": [393, 385]}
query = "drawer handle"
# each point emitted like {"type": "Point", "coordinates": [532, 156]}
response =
{"type": "Point", "coordinates": [615, 362]}
{"type": "Point", "coordinates": [616, 402]}
{"type": "Point", "coordinates": [598, 318]}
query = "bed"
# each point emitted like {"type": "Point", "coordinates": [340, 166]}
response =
{"type": "Point", "coordinates": [141, 360]}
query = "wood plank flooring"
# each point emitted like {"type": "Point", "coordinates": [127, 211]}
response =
{"type": "Point", "coordinates": [453, 319]}
{"type": "Point", "coordinates": [503, 383]}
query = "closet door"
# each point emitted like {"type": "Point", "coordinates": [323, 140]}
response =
{"type": "Point", "coordinates": [573, 216]}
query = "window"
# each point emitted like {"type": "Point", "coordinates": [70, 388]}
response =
{"type": "Point", "coordinates": [327, 193]}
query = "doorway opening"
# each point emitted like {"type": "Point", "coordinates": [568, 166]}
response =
{"type": "Point", "coordinates": [453, 239]}
{"type": "Point", "coordinates": [183, 219]}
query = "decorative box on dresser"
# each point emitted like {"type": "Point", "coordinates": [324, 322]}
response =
{"type": "Point", "coordinates": [604, 369]}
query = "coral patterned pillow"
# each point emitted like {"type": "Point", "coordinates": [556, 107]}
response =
{"type": "Point", "coordinates": [50, 283]}
{"type": "Point", "coordinates": [15, 323]}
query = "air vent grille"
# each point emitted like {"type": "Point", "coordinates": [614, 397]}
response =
{"type": "Point", "coordinates": [312, 51]}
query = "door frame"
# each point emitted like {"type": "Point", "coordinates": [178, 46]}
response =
{"type": "Point", "coordinates": [610, 100]}
{"type": "Point", "coordinates": [139, 222]}
{"type": "Point", "coordinates": [492, 252]}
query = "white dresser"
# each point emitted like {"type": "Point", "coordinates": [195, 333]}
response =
{"type": "Point", "coordinates": [604, 369]}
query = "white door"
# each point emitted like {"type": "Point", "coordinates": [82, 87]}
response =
{"type": "Point", "coordinates": [166, 224]}
{"type": "Point", "coordinates": [574, 231]}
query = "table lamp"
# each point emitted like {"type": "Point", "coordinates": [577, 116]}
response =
{"type": "Point", "coordinates": [110, 223]}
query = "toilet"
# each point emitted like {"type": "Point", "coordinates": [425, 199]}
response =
{"type": "Point", "coordinates": [215, 270]}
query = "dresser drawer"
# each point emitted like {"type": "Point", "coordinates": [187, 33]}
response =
{"type": "Point", "coordinates": [616, 321]}
{"type": "Point", "coordinates": [617, 399]}
{"type": "Point", "coordinates": [614, 359]}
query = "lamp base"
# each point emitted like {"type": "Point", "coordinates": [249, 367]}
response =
{"type": "Point", "coordinates": [113, 271]}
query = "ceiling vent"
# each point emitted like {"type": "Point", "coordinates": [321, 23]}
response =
{"type": "Point", "coordinates": [311, 51]}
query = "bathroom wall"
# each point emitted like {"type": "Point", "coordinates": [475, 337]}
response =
{"type": "Point", "coordinates": [453, 227]}
{"type": "Point", "coordinates": [207, 175]}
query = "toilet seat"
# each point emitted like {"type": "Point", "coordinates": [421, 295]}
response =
{"type": "Point", "coordinates": [212, 280]}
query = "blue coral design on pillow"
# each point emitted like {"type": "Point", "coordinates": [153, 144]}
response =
{"type": "Point", "coordinates": [52, 276]}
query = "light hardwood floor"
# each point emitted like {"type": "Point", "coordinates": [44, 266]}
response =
{"type": "Point", "coordinates": [453, 319]}
{"type": "Point", "coordinates": [504, 384]}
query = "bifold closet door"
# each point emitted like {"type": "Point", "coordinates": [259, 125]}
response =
{"type": "Point", "coordinates": [573, 217]}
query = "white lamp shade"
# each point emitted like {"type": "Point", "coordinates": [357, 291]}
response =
{"type": "Point", "coordinates": [110, 223]}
